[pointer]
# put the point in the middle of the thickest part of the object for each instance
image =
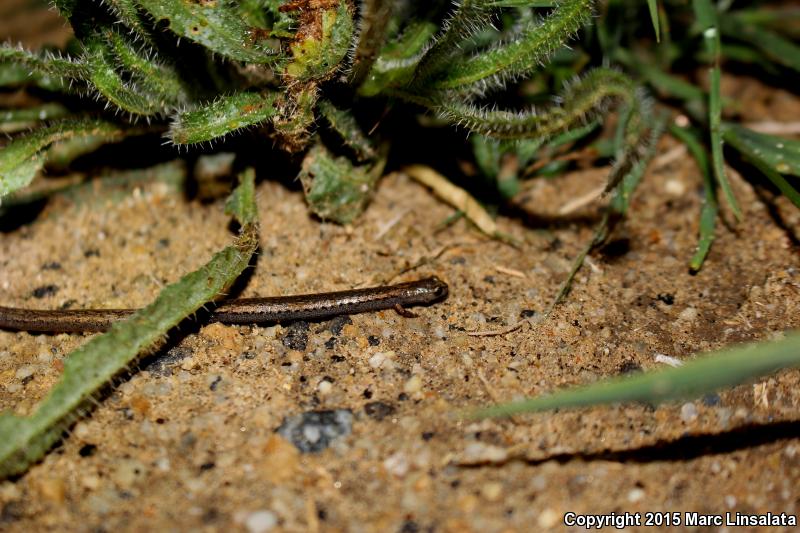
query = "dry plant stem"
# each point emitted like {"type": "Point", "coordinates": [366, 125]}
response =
{"type": "Point", "coordinates": [455, 196]}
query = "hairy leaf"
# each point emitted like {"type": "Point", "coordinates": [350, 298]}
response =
{"type": "Point", "coordinates": [221, 117]}
{"type": "Point", "coordinates": [25, 439]}
{"type": "Point", "coordinates": [345, 125]}
{"type": "Point", "coordinates": [316, 55]}
{"type": "Point", "coordinates": [215, 25]}
{"type": "Point", "coordinates": [335, 188]}
{"type": "Point", "coordinates": [519, 56]}
{"type": "Point", "coordinates": [23, 157]}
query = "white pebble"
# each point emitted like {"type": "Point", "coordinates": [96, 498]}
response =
{"type": "Point", "coordinates": [25, 371]}
{"type": "Point", "coordinates": [548, 519]}
{"type": "Point", "coordinates": [635, 495]}
{"type": "Point", "coordinates": [260, 521]}
{"type": "Point", "coordinates": [413, 385]}
{"type": "Point", "coordinates": [688, 412]}
{"type": "Point", "coordinates": [397, 464]}
{"type": "Point", "coordinates": [325, 387]}
{"type": "Point", "coordinates": [667, 360]}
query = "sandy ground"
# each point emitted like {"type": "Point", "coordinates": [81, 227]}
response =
{"type": "Point", "coordinates": [189, 441]}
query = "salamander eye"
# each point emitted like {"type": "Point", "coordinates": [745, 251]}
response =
{"type": "Point", "coordinates": [440, 289]}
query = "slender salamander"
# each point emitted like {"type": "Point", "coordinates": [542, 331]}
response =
{"type": "Point", "coordinates": [245, 310]}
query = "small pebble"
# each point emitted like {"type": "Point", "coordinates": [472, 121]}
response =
{"type": "Point", "coordinates": [636, 495]}
{"type": "Point", "coordinates": [397, 464]}
{"type": "Point", "coordinates": [45, 290]}
{"type": "Point", "coordinates": [492, 491]}
{"type": "Point", "coordinates": [336, 325]}
{"type": "Point", "coordinates": [413, 385]}
{"type": "Point", "coordinates": [296, 336]}
{"type": "Point", "coordinates": [688, 412]}
{"type": "Point", "coordinates": [25, 371]}
{"type": "Point", "coordinates": [378, 410]}
{"type": "Point", "coordinates": [260, 521]}
{"type": "Point", "coordinates": [548, 519]}
{"type": "Point", "coordinates": [325, 387]}
{"type": "Point", "coordinates": [314, 431]}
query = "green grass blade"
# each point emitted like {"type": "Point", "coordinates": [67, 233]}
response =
{"type": "Point", "coordinates": [25, 439]}
{"type": "Point", "coordinates": [782, 155]}
{"type": "Point", "coordinates": [225, 115]}
{"type": "Point", "coordinates": [774, 46]}
{"type": "Point", "coordinates": [707, 17]}
{"type": "Point", "coordinates": [726, 368]}
{"type": "Point", "coordinates": [652, 5]}
{"type": "Point", "coordinates": [22, 158]}
{"type": "Point", "coordinates": [710, 209]}
{"type": "Point", "coordinates": [616, 209]}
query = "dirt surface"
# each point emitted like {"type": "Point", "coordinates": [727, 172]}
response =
{"type": "Point", "coordinates": [189, 442]}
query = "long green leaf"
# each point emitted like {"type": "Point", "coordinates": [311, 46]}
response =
{"type": "Point", "coordinates": [703, 375]}
{"type": "Point", "coordinates": [25, 439]}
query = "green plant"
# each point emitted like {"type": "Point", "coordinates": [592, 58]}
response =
{"type": "Point", "coordinates": [274, 68]}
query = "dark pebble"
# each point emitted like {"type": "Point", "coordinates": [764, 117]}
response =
{"type": "Point", "coordinates": [11, 512]}
{"type": "Point", "coordinates": [214, 384]}
{"type": "Point", "coordinates": [666, 298]}
{"type": "Point", "coordinates": [330, 343]}
{"type": "Point", "coordinates": [87, 450]}
{"type": "Point", "coordinates": [379, 410]}
{"type": "Point", "coordinates": [207, 466]}
{"type": "Point", "coordinates": [373, 340]}
{"type": "Point", "coordinates": [91, 252]}
{"type": "Point", "coordinates": [337, 358]}
{"type": "Point", "coordinates": [409, 526]}
{"type": "Point", "coordinates": [712, 400]}
{"type": "Point", "coordinates": [52, 265]}
{"type": "Point", "coordinates": [527, 313]}
{"type": "Point", "coordinates": [296, 336]}
{"type": "Point", "coordinates": [629, 367]}
{"type": "Point", "coordinates": [314, 431]}
{"type": "Point", "coordinates": [162, 364]}
{"type": "Point", "coordinates": [428, 435]}
{"type": "Point", "coordinates": [337, 324]}
{"type": "Point", "coordinates": [489, 279]}
{"type": "Point", "coordinates": [44, 290]}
